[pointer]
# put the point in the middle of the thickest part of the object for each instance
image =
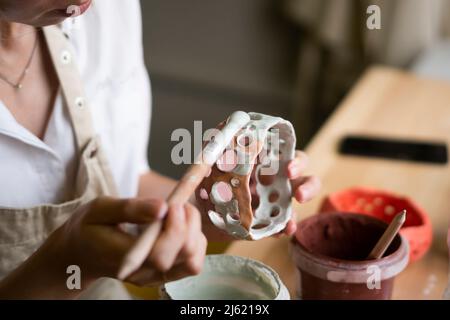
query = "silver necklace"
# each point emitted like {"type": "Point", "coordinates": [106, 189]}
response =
{"type": "Point", "coordinates": [19, 84]}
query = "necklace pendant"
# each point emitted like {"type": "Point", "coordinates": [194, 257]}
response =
{"type": "Point", "coordinates": [19, 85]}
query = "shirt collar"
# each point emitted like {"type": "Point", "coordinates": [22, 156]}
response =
{"type": "Point", "coordinates": [11, 128]}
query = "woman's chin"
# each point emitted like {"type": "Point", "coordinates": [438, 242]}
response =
{"type": "Point", "coordinates": [47, 22]}
{"type": "Point", "coordinates": [48, 19]}
{"type": "Point", "coordinates": [51, 16]}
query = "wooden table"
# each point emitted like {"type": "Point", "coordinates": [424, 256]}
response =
{"type": "Point", "coordinates": [395, 104]}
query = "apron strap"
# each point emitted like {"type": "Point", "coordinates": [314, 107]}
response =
{"type": "Point", "coordinates": [65, 65]}
{"type": "Point", "coordinates": [63, 57]}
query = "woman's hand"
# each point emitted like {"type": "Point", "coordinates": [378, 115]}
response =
{"type": "Point", "coordinates": [304, 188]}
{"type": "Point", "coordinates": [95, 239]}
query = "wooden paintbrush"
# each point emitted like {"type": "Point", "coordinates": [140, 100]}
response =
{"type": "Point", "coordinates": [183, 191]}
{"type": "Point", "coordinates": [387, 237]}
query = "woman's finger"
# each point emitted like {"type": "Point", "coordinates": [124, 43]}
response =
{"type": "Point", "coordinates": [297, 165]}
{"type": "Point", "coordinates": [194, 234]}
{"type": "Point", "coordinates": [145, 276]}
{"type": "Point", "coordinates": [170, 241]}
{"type": "Point", "coordinates": [110, 211]}
{"type": "Point", "coordinates": [190, 267]}
{"type": "Point", "coordinates": [305, 188]}
{"type": "Point", "coordinates": [290, 229]}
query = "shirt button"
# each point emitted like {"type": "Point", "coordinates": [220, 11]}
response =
{"type": "Point", "coordinates": [79, 102]}
{"type": "Point", "coordinates": [66, 57]}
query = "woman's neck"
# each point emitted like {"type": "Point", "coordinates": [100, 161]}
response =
{"type": "Point", "coordinates": [16, 43]}
{"type": "Point", "coordinates": [14, 34]}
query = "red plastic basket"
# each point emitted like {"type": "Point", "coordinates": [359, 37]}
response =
{"type": "Point", "coordinates": [384, 205]}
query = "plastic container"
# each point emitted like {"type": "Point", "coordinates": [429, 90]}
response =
{"type": "Point", "coordinates": [384, 205]}
{"type": "Point", "coordinates": [330, 252]}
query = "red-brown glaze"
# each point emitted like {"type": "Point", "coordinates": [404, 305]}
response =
{"type": "Point", "coordinates": [242, 192]}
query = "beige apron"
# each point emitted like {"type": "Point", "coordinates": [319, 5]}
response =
{"type": "Point", "coordinates": [23, 230]}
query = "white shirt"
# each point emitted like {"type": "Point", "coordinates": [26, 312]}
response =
{"type": "Point", "coordinates": [108, 46]}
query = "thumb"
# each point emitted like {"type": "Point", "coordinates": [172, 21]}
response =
{"type": "Point", "coordinates": [107, 210]}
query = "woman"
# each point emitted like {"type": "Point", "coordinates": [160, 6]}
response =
{"type": "Point", "coordinates": [64, 196]}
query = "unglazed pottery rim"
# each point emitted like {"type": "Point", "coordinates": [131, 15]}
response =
{"type": "Point", "coordinates": [249, 269]}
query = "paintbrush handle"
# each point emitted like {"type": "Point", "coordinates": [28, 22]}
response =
{"type": "Point", "coordinates": [387, 237]}
{"type": "Point", "coordinates": [188, 183]}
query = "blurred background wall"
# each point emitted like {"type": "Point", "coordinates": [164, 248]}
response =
{"type": "Point", "coordinates": [207, 58]}
{"type": "Point", "coordinates": [291, 58]}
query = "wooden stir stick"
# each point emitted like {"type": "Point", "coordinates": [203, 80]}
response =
{"type": "Point", "coordinates": [388, 235]}
{"type": "Point", "coordinates": [183, 191]}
